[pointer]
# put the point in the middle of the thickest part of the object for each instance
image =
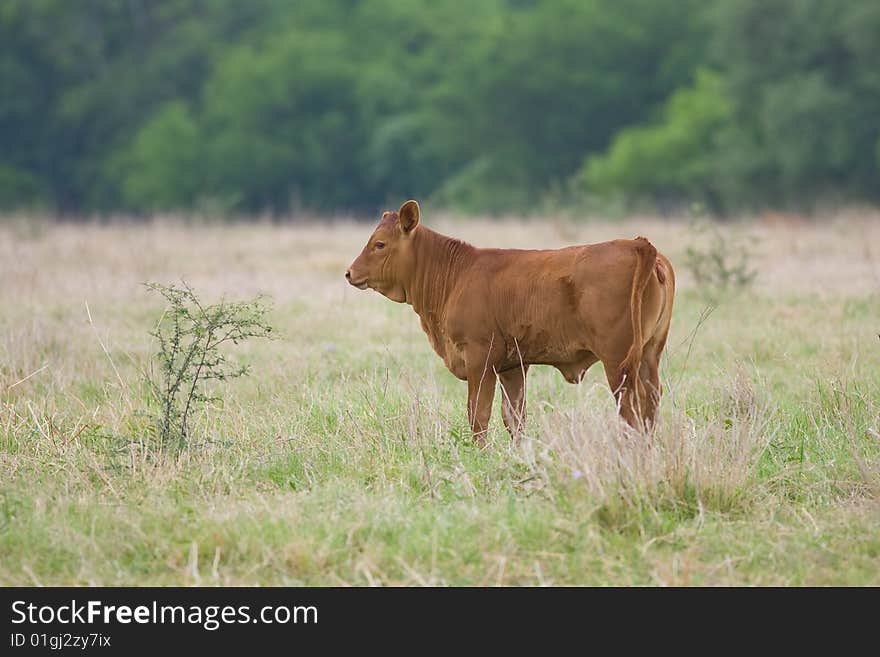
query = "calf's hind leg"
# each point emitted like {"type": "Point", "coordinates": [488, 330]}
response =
{"type": "Point", "coordinates": [638, 397]}
{"type": "Point", "coordinates": [650, 388]}
{"type": "Point", "coordinates": [513, 399]}
{"type": "Point", "coordinates": [628, 393]}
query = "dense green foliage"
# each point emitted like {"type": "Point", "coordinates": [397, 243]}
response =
{"type": "Point", "coordinates": [674, 157]}
{"type": "Point", "coordinates": [489, 105]}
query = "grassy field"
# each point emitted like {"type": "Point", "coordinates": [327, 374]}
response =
{"type": "Point", "coordinates": [344, 458]}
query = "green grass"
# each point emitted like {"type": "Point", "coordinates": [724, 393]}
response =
{"type": "Point", "coordinates": [345, 457]}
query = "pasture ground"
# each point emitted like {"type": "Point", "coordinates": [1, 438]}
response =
{"type": "Point", "coordinates": [345, 457]}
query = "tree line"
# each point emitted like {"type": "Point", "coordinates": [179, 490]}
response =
{"type": "Point", "coordinates": [482, 106]}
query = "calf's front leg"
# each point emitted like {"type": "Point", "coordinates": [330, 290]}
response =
{"type": "Point", "coordinates": [481, 392]}
{"type": "Point", "coordinates": [513, 400]}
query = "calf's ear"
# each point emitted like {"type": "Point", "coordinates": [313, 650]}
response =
{"type": "Point", "coordinates": [408, 216]}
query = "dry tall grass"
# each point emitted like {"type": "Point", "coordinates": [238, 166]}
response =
{"type": "Point", "coordinates": [681, 467]}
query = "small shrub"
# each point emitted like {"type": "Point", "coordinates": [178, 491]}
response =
{"type": "Point", "coordinates": [724, 264]}
{"type": "Point", "coordinates": [190, 335]}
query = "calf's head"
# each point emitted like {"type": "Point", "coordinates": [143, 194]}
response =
{"type": "Point", "coordinates": [386, 262]}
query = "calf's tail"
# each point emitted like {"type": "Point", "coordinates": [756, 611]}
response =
{"type": "Point", "coordinates": [645, 263]}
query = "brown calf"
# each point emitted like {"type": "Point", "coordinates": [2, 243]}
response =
{"type": "Point", "coordinates": [491, 313]}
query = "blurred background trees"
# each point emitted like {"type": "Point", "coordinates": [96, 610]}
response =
{"type": "Point", "coordinates": [485, 106]}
